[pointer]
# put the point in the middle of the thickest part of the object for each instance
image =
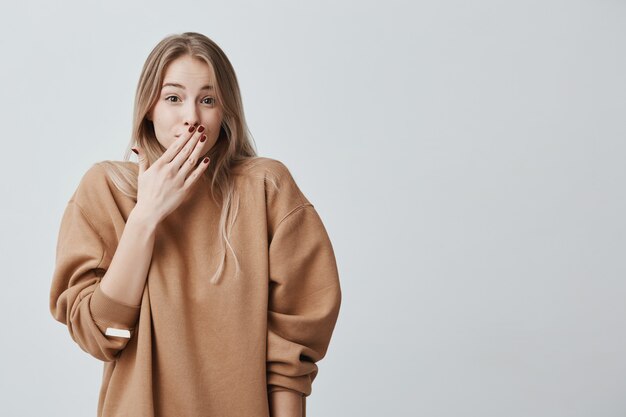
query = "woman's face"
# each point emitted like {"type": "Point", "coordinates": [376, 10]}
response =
{"type": "Point", "coordinates": [187, 98]}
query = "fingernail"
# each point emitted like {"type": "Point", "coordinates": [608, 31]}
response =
{"type": "Point", "coordinates": [136, 151]}
{"type": "Point", "coordinates": [202, 138]}
{"type": "Point", "coordinates": [206, 160]}
{"type": "Point", "coordinates": [191, 128]}
{"type": "Point", "coordinates": [201, 129]}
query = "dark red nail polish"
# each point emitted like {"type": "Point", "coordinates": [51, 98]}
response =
{"type": "Point", "coordinates": [136, 151]}
{"type": "Point", "coordinates": [202, 138]}
{"type": "Point", "coordinates": [201, 129]}
{"type": "Point", "coordinates": [206, 160]}
{"type": "Point", "coordinates": [191, 128]}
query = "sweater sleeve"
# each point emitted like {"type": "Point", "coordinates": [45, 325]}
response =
{"type": "Point", "coordinates": [100, 325]}
{"type": "Point", "coordinates": [304, 300]}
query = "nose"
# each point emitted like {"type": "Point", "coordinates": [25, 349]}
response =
{"type": "Point", "coordinates": [191, 122]}
{"type": "Point", "coordinates": [190, 115]}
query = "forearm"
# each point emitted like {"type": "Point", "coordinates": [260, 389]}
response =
{"type": "Point", "coordinates": [285, 404]}
{"type": "Point", "coordinates": [126, 276]}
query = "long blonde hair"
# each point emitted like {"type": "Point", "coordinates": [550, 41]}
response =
{"type": "Point", "coordinates": [234, 147]}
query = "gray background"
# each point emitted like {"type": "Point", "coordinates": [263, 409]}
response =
{"type": "Point", "coordinates": [467, 159]}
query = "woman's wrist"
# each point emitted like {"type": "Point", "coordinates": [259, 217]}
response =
{"type": "Point", "coordinates": [144, 218]}
{"type": "Point", "coordinates": [285, 403]}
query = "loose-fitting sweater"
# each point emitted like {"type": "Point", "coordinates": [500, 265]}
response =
{"type": "Point", "coordinates": [192, 348]}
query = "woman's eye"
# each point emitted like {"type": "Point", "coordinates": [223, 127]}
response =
{"type": "Point", "coordinates": [176, 98]}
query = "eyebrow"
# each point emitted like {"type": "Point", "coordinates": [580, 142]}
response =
{"type": "Point", "coordinates": [182, 87]}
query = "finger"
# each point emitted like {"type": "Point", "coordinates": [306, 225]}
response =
{"type": "Point", "coordinates": [185, 152]}
{"type": "Point", "coordinates": [142, 161]}
{"type": "Point", "coordinates": [192, 161]}
{"type": "Point", "coordinates": [197, 173]}
{"type": "Point", "coordinates": [176, 146]}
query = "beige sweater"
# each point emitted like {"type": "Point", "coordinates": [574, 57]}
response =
{"type": "Point", "coordinates": [194, 349]}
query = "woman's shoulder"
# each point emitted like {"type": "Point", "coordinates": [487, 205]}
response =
{"type": "Point", "coordinates": [260, 166]}
{"type": "Point", "coordinates": [282, 192]}
{"type": "Point", "coordinates": [270, 170]}
{"type": "Point", "coordinates": [101, 181]}
{"type": "Point", "coordinates": [101, 169]}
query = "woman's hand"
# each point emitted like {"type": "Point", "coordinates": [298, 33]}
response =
{"type": "Point", "coordinates": [163, 186]}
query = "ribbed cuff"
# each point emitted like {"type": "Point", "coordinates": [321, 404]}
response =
{"type": "Point", "coordinates": [274, 388]}
{"type": "Point", "coordinates": [110, 312]}
{"type": "Point", "coordinates": [301, 384]}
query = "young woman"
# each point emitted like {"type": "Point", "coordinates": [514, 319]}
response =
{"type": "Point", "coordinates": [201, 276]}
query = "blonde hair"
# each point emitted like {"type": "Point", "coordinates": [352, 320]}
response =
{"type": "Point", "coordinates": [234, 147]}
